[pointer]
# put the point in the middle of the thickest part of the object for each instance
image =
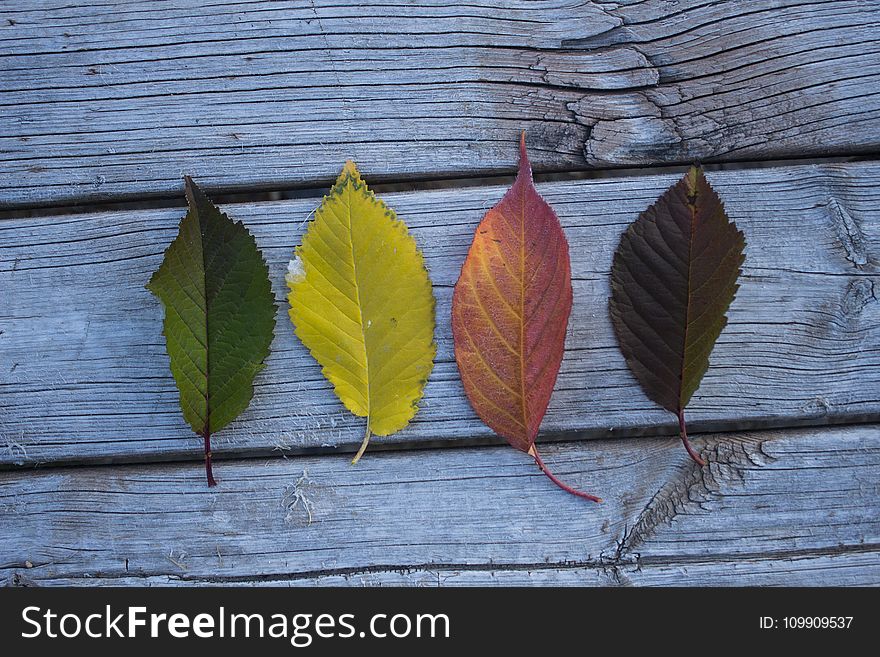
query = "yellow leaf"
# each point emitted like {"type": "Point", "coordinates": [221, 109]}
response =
{"type": "Point", "coordinates": [361, 301]}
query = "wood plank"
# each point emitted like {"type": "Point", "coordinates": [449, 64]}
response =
{"type": "Point", "coordinates": [796, 506]}
{"type": "Point", "coordinates": [85, 378]}
{"type": "Point", "coordinates": [850, 568]}
{"type": "Point", "coordinates": [108, 101]}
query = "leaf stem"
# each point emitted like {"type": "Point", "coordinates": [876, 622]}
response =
{"type": "Point", "coordinates": [533, 452]}
{"type": "Point", "coordinates": [208, 470]}
{"type": "Point", "coordinates": [360, 452]}
{"type": "Point", "coordinates": [682, 431]}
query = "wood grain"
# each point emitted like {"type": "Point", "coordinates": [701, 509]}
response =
{"type": "Point", "coordinates": [116, 101]}
{"type": "Point", "coordinates": [777, 507]}
{"type": "Point", "coordinates": [84, 375]}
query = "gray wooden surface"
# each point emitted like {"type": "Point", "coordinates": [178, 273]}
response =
{"type": "Point", "coordinates": [100, 479]}
{"type": "Point", "coordinates": [771, 507]}
{"type": "Point", "coordinates": [106, 100]}
{"type": "Point", "coordinates": [82, 350]}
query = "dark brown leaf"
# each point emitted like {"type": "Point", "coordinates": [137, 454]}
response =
{"type": "Point", "coordinates": [673, 278]}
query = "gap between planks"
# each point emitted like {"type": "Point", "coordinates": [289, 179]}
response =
{"type": "Point", "coordinates": [383, 185]}
{"type": "Point", "coordinates": [230, 196]}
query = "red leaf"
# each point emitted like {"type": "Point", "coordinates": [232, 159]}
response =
{"type": "Point", "coordinates": [510, 312]}
{"type": "Point", "coordinates": [673, 278]}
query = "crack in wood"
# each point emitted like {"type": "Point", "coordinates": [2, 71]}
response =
{"type": "Point", "coordinates": [692, 485]}
{"type": "Point", "coordinates": [618, 570]}
{"type": "Point", "coordinates": [849, 233]}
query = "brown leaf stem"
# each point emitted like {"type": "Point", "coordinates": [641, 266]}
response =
{"type": "Point", "coordinates": [682, 431]}
{"type": "Point", "coordinates": [208, 469]}
{"type": "Point", "coordinates": [533, 452]}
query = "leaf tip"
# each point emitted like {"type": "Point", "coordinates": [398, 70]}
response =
{"type": "Point", "coordinates": [524, 164]}
{"type": "Point", "coordinates": [349, 170]}
{"type": "Point", "coordinates": [696, 177]}
{"type": "Point", "coordinates": [192, 191]}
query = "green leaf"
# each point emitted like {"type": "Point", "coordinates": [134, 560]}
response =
{"type": "Point", "coordinates": [361, 301]}
{"type": "Point", "coordinates": [219, 315]}
{"type": "Point", "coordinates": [673, 278]}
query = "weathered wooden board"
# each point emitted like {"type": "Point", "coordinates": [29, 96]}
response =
{"type": "Point", "coordinates": [84, 375]}
{"type": "Point", "coordinates": [109, 100]}
{"type": "Point", "coordinates": [794, 507]}
{"type": "Point", "coordinates": [849, 568]}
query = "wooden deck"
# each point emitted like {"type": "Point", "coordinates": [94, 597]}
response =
{"type": "Point", "coordinates": [105, 106]}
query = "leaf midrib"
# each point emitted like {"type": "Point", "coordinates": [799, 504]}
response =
{"type": "Point", "coordinates": [194, 205]}
{"type": "Point", "coordinates": [692, 206]}
{"type": "Point", "coordinates": [522, 312]}
{"type": "Point", "coordinates": [347, 191]}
